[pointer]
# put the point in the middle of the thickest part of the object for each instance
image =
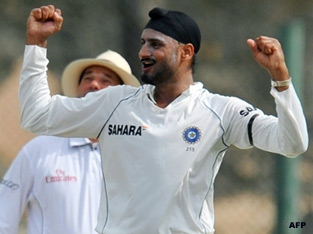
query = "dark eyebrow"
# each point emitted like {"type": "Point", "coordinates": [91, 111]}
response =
{"type": "Point", "coordinates": [87, 72]}
{"type": "Point", "coordinates": [152, 39]}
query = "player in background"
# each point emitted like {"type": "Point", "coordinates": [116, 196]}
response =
{"type": "Point", "coordinates": [58, 180]}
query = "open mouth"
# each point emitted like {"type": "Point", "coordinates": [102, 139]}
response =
{"type": "Point", "coordinates": [146, 63]}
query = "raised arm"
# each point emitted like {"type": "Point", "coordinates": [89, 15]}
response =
{"type": "Point", "coordinates": [40, 112]}
{"type": "Point", "coordinates": [288, 133]}
{"type": "Point", "coordinates": [42, 23]}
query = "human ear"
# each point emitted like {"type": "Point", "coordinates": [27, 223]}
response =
{"type": "Point", "coordinates": [187, 51]}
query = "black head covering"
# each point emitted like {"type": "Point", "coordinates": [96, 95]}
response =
{"type": "Point", "coordinates": [175, 24]}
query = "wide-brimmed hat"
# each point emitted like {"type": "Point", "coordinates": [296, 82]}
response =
{"type": "Point", "coordinates": [108, 59]}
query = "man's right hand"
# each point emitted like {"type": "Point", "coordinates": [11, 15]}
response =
{"type": "Point", "coordinates": [42, 23]}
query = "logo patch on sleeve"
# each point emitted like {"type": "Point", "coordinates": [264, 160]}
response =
{"type": "Point", "coordinates": [192, 135]}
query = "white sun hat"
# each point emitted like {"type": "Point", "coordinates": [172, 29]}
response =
{"type": "Point", "coordinates": [108, 59]}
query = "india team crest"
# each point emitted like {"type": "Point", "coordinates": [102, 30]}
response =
{"type": "Point", "coordinates": [191, 135]}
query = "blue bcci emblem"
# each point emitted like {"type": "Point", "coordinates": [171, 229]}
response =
{"type": "Point", "coordinates": [192, 135]}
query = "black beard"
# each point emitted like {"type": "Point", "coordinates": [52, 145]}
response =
{"type": "Point", "coordinates": [163, 75]}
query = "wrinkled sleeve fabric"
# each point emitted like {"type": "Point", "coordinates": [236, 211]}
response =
{"type": "Point", "coordinates": [15, 190]}
{"type": "Point", "coordinates": [287, 134]}
{"type": "Point", "coordinates": [58, 115]}
{"type": "Point", "coordinates": [284, 134]}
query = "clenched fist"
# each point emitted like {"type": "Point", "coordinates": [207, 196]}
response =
{"type": "Point", "coordinates": [42, 23]}
{"type": "Point", "coordinates": [269, 54]}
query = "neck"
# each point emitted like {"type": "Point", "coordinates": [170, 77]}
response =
{"type": "Point", "coordinates": [164, 94]}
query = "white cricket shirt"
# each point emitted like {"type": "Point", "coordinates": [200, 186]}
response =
{"type": "Point", "coordinates": [159, 163]}
{"type": "Point", "coordinates": [59, 181]}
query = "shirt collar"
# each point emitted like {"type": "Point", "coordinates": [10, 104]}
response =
{"type": "Point", "coordinates": [192, 89]}
{"type": "Point", "coordinates": [79, 142]}
{"type": "Point", "coordinates": [196, 86]}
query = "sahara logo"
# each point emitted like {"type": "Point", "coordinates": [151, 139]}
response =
{"type": "Point", "coordinates": [192, 135]}
{"type": "Point", "coordinates": [128, 130]}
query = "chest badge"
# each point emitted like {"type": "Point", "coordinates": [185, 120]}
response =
{"type": "Point", "coordinates": [192, 135]}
